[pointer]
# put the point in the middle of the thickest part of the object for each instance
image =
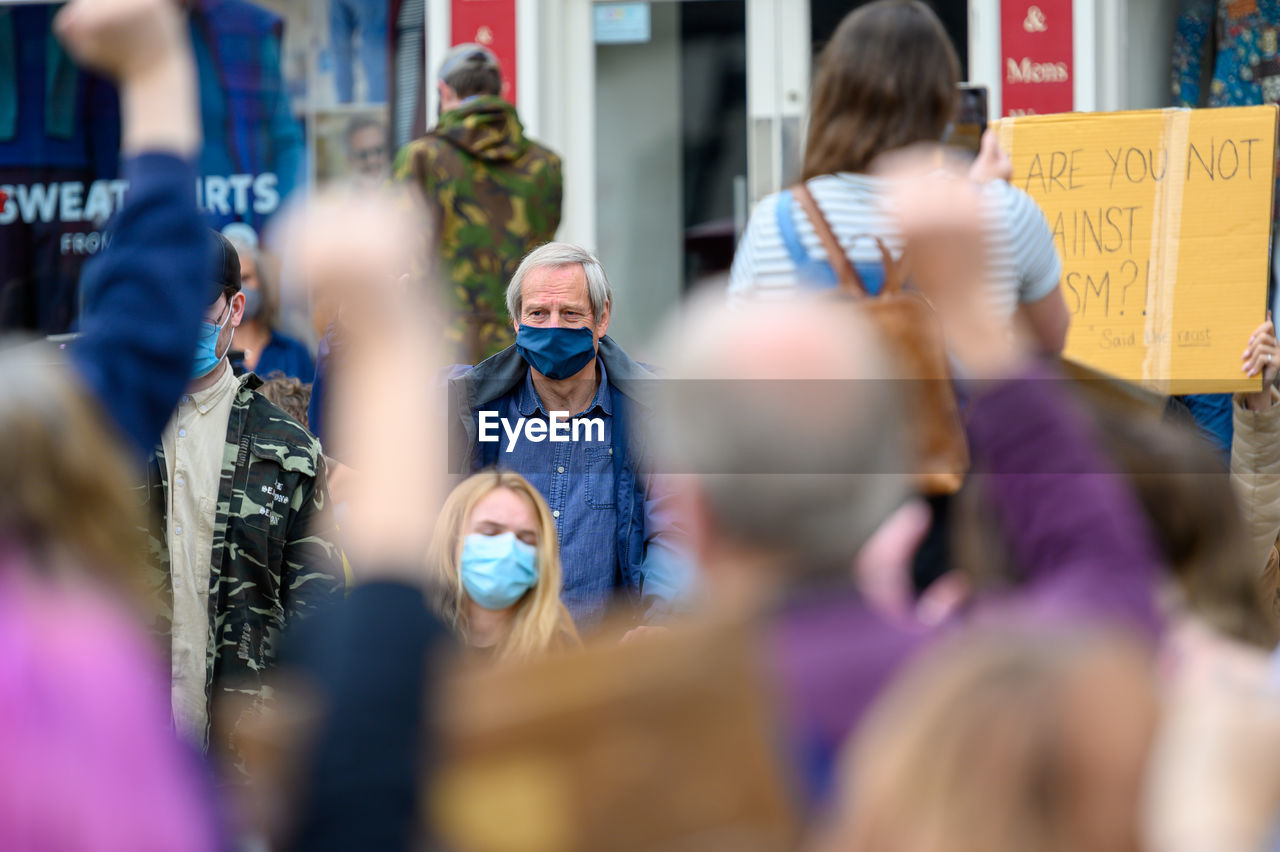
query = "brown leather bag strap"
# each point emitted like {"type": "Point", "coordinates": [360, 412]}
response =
{"type": "Point", "coordinates": [893, 276]}
{"type": "Point", "coordinates": [848, 277]}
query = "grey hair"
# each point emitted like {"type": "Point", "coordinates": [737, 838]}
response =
{"type": "Point", "coordinates": [789, 419]}
{"type": "Point", "coordinates": [554, 256]}
{"type": "Point", "coordinates": [245, 241]}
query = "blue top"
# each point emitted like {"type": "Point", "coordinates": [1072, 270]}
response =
{"type": "Point", "coordinates": [576, 479]}
{"type": "Point", "coordinates": [144, 297]}
{"type": "Point", "coordinates": [287, 355]}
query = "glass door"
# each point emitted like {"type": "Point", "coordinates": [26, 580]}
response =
{"type": "Point", "coordinates": [671, 148]}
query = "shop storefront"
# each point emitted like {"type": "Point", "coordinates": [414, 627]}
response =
{"type": "Point", "coordinates": [293, 94]}
{"type": "Point", "coordinates": [673, 117]}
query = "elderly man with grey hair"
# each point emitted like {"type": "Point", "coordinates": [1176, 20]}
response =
{"type": "Point", "coordinates": [564, 407]}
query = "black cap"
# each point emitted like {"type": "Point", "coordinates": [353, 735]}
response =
{"type": "Point", "coordinates": [225, 270]}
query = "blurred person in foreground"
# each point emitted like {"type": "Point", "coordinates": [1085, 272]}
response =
{"type": "Point", "coordinates": [242, 536]}
{"type": "Point", "coordinates": [615, 528]}
{"type": "Point", "coordinates": [370, 660]}
{"type": "Point", "coordinates": [89, 755]}
{"type": "Point", "coordinates": [1004, 741]}
{"type": "Point", "coordinates": [496, 561]}
{"type": "Point", "coordinates": [885, 81]}
{"type": "Point", "coordinates": [1218, 684]}
{"type": "Point", "coordinates": [778, 506]}
{"type": "Point", "coordinates": [492, 192]}
{"type": "Point", "coordinates": [265, 349]}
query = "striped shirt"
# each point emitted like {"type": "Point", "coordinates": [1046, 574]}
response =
{"type": "Point", "coordinates": [1024, 262]}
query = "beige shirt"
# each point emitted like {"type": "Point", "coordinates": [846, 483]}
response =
{"type": "Point", "coordinates": [194, 442]}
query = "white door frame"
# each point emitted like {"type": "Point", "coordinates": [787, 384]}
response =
{"type": "Point", "coordinates": [556, 59]}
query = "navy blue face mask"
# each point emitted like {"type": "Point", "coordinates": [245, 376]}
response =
{"type": "Point", "coordinates": [556, 353]}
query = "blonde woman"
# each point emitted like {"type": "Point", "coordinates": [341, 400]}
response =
{"type": "Point", "coordinates": [497, 557]}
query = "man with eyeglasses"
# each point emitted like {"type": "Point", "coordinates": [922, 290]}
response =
{"type": "Point", "coordinates": [494, 194]}
{"type": "Point", "coordinates": [367, 150]}
{"type": "Point", "coordinates": [241, 532]}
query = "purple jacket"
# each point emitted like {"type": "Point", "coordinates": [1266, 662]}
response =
{"type": "Point", "coordinates": [1075, 530]}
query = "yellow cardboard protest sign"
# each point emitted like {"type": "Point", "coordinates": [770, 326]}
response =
{"type": "Point", "coordinates": [1163, 220]}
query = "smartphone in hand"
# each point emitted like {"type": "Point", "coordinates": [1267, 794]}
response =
{"type": "Point", "coordinates": [971, 118]}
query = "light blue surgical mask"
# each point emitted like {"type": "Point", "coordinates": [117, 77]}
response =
{"type": "Point", "coordinates": [497, 570]}
{"type": "Point", "coordinates": [207, 356]}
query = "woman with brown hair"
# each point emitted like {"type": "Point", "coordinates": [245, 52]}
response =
{"type": "Point", "coordinates": [497, 560]}
{"type": "Point", "coordinates": [887, 81]}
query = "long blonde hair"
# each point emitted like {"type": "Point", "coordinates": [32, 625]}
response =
{"type": "Point", "coordinates": [541, 622]}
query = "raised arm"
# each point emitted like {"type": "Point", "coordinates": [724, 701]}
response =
{"type": "Point", "coordinates": [1071, 523]}
{"type": "Point", "coordinates": [143, 295]}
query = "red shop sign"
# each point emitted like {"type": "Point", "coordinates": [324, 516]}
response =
{"type": "Point", "coordinates": [1035, 64]}
{"type": "Point", "coordinates": [493, 24]}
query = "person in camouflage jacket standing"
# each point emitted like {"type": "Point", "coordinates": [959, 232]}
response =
{"type": "Point", "coordinates": [242, 536]}
{"type": "Point", "coordinates": [494, 192]}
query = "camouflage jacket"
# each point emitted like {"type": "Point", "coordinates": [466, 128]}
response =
{"type": "Point", "coordinates": [495, 195]}
{"type": "Point", "coordinates": [274, 554]}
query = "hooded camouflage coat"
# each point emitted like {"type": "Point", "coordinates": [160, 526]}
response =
{"type": "Point", "coordinates": [274, 554]}
{"type": "Point", "coordinates": [495, 195]}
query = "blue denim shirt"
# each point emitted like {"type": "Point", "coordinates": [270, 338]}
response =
{"type": "Point", "coordinates": [576, 478]}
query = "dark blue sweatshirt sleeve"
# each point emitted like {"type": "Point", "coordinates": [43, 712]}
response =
{"type": "Point", "coordinates": [143, 300]}
{"type": "Point", "coordinates": [372, 659]}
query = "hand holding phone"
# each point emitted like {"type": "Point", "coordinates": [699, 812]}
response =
{"type": "Point", "coordinates": [971, 118]}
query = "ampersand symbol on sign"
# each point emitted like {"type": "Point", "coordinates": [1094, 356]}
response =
{"type": "Point", "coordinates": [1036, 21]}
{"type": "Point", "coordinates": [484, 35]}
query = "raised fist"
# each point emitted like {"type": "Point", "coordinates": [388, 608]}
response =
{"type": "Point", "coordinates": [123, 39]}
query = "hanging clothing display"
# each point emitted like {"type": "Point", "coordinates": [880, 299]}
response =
{"type": "Point", "coordinates": [59, 145]}
{"type": "Point", "coordinates": [1242, 46]}
{"type": "Point", "coordinates": [254, 149]}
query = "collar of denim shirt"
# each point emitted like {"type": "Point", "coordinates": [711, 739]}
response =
{"type": "Point", "coordinates": [527, 401]}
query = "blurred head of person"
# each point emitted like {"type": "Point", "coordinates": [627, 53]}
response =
{"type": "Point", "coordinates": [496, 561]}
{"type": "Point", "coordinates": [368, 154]}
{"type": "Point", "coordinates": [261, 301]}
{"type": "Point", "coordinates": [468, 70]}
{"type": "Point", "coordinates": [65, 483]}
{"type": "Point", "coordinates": [1193, 517]}
{"type": "Point", "coordinates": [1004, 742]}
{"type": "Point", "coordinates": [886, 80]}
{"type": "Point", "coordinates": [779, 431]}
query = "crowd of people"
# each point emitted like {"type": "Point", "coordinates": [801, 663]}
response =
{"type": "Point", "coordinates": [559, 598]}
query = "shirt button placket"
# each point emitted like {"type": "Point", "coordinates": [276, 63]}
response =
{"type": "Point", "coordinates": [562, 482]}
